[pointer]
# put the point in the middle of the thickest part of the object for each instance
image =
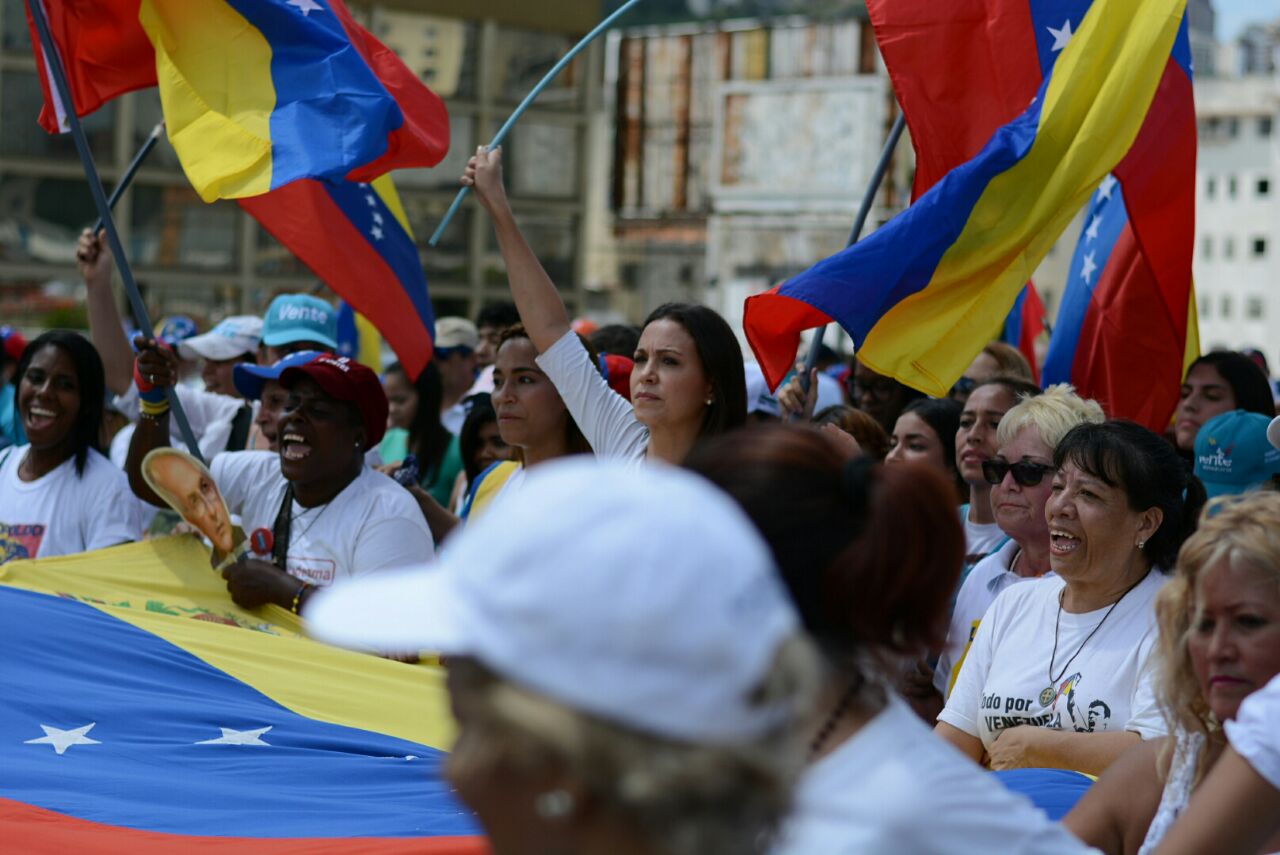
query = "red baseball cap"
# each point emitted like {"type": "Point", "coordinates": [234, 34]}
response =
{"type": "Point", "coordinates": [617, 371]}
{"type": "Point", "coordinates": [14, 342]}
{"type": "Point", "coordinates": [344, 379]}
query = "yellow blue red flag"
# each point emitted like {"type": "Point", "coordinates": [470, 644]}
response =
{"type": "Point", "coordinates": [144, 712]}
{"type": "Point", "coordinates": [922, 294]}
{"type": "Point", "coordinates": [261, 93]}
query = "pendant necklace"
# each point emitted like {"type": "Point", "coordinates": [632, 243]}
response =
{"type": "Point", "coordinates": [1047, 696]}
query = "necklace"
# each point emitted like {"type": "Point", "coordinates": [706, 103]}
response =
{"type": "Point", "coordinates": [314, 520]}
{"type": "Point", "coordinates": [1047, 696]}
{"type": "Point", "coordinates": [837, 713]}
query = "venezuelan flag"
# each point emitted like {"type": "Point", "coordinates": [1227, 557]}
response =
{"type": "Point", "coordinates": [358, 338]}
{"type": "Point", "coordinates": [1024, 325]}
{"type": "Point", "coordinates": [261, 93]}
{"type": "Point", "coordinates": [144, 712]}
{"type": "Point", "coordinates": [356, 237]}
{"type": "Point", "coordinates": [922, 294]}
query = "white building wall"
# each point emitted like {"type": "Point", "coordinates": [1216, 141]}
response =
{"type": "Point", "coordinates": [1237, 258]}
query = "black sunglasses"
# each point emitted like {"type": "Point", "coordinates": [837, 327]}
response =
{"type": "Point", "coordinates": [1025, 472]}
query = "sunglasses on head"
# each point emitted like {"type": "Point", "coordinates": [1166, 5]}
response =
{"type": "Point", "coordinates": [1025, 472]}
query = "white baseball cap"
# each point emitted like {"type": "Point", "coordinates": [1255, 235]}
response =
{"type": "Point", "coordinates": [232, 337]}
{"type": "Point", "coordinates": [641, 595]}
{"type": "Point", "coordinates": [1273, 432]}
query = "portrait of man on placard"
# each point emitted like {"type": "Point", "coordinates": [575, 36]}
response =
{"type": "Point", "coordinates": [188, 487]}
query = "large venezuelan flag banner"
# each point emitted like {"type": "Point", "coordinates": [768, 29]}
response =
{"type": "Point", "coordinates": [143, 712]}
{"type": "Point", "coordinates": [921, 295]}
{"type": "Point", "coordinates": [358, 240]}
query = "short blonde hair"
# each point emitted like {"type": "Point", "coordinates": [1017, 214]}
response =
{"type": "Point", "coordinates": [683, 798]}
{"type": "Point", "coordinates": [1243, 530]}
{"type": "Point", "coordinates": [1054, 413]}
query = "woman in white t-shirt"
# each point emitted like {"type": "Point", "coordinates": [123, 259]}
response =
{"type": "Point", "coordinates": [58, 494]}
{"type": "Point", "coordinates": [845, 537]}
{"type": "Point", "coordinates": [1219, 643]}
{"type": "Point", "coordinates": [1058, 673]}
{"type": "Point", "coordinates": [1019, 476]}
{"type": "Point", "coordinates": [688, 382]}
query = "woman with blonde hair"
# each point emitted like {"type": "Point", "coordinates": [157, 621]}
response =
{"type": "Point", "coordinates": [1219, 641]}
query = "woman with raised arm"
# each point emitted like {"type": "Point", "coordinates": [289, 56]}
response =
{"type": "Point", "coordinates": [688, 382]}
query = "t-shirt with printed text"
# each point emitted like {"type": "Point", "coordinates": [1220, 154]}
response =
{"type": "Point", "coordinates": [63, 513]}
{"type": "Point", "coordinates": [1100, 685]}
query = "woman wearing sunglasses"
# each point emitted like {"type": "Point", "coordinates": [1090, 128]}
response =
{"type": "Point", "coordinates": [1018, 474]}
{"type": "Point", "coordinates": [1059, 673]}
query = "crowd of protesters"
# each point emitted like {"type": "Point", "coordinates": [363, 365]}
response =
{"type": "Point", "coordinates": [684, 614]}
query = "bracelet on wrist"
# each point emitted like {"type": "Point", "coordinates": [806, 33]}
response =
{"type": "Point", "coordinates": [298, 595]}
{"type": "Point", "coordinates": [154, 408]}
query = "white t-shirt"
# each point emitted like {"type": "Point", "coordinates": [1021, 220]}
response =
{"type": "Point", "coordinates": [210, 415]}
{"type": "Point", "coordinates": [605, 418]}
{"type": "Point", "coordinates": [984, 583]}
{"type": "Point", "coordinates": [373, 524]}
{"type": "Point", "coordinates": [894, 787]}
{"type": "Point", "coordinates": [980, 539]}
{"type": "Point", "coordinates": [62, 513]}
{"type": "Point", "coordinates": [1107, 687]}
{"type": "Point", "coordinates": [1255, 733]}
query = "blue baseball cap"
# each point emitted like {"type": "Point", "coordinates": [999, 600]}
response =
{"type": "Point", "coordinates": [249, 378]}
{"type": "Point", "coordinates": [300, 317]}
{"type": "Point", "coordinates": [1232, 453]}
{"type": "Point", "coordinates": [176, 328]}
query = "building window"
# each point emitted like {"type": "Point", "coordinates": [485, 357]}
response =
{"type": "Point", "coordinates": [1254, 309]}
{"type": "Point", "coordinates": [1211, 187]}
{"type": "Point", "coordinates": [1259, 247]}
{"type": "Point", "coordinates": [1206, 247]}
{"type": "Point", "coordinates": [1264, 126]}
{"type": "Point", "coordinates": [1205, 306]}
{"type": "Point", "coordinates": [1232, 187]}
{"type": "Point", "coordinates": [1233, 127]}
{"type": "Point", "coordinates": [1264, 187]}
{"type": "Point", "coordinates": [1225, 307]}
{"type": "Point", "coordinates": [1229, 248]}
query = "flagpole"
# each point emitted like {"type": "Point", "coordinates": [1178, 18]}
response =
{"type": "Point", "coordinates": [62, 92]}
{"type": "Point", "coordinates": [132, 169]}
{"type": "Point", "coordinates": [529, 99]}
{"type": "Point", "coordinates": [868, 199]}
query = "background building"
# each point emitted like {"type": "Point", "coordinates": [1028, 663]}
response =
{"type": "Point", "coordinates": [482, 56]}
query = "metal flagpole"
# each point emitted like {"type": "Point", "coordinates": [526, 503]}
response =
{"type": "Point", "coordinates": [524, 105]}
{"type": "Point", "coordinates": [62, 92]}
{"type": "Point", "coordinates": [873, 187]}
{"type": "Point", "coordinates": [132, 169]}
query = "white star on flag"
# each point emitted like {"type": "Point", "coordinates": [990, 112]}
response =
{"type": "Point", "coordinates": [1091, 233]}
{"type": "Point", "coordinates": [373, 203]}
{"type": "Point", "coordinates": [376, 232]}
{"type": "Point", "coordinates": [377, 218]}
{"type": "Point", "coordinates": [238, 737]}
{"type": "Point", "coordinates": [1108, 184]}
{"type": "Point", "coordinates": [1060, 37]}
{"type": "Point", "coordinates": [1090, 267]}
{"type": "Point", "coordinates": [61, 740]}
{"type": "Point", "coordinates": [306, 7]}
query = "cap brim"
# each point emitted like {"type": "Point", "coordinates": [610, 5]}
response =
{"type": "Point", "coordinates": [392, 611]}
{"type": "Point", "coordinates": [279, 339]}
{"type": "Point", "coordinates": [1273, 432]}
{"type": "Point", "coordinates": [249, 379]}
{"type": "Point", "coordinates": [209, 346]}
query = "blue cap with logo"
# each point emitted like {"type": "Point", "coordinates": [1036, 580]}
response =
{"type": "Point", "coordinates": [300, 317]}
{"type": "Point", "coordinates": [250, 378]}
{"type": "Point", "coordinates": [1232, 453]}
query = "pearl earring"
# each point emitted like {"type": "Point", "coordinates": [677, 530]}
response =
{"type": "Point", "coordinates": [1141, 544]}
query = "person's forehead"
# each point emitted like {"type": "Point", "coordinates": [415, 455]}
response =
{"type": "Point", "coordinates": [989, 399]}
{"type": "Point", "coordinates": [53, 358]}
{"type": "Point", "coordinates": [665, 333]}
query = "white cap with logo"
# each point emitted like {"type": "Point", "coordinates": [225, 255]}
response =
{"type": "Point", "coordinates": [640, 595]}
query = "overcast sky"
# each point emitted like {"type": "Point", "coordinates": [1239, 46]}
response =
{"type": "Point", "coordinates": [1234, 14]}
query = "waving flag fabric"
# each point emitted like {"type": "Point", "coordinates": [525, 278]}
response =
{"type": "Point", "coordinates": [144, 712]}
{"type": "Point", "coordinates": [921, 295]}
{"type": "Point", "coordinates": [104, 50]}
{"type": "Point", "coordinates": [358, 338]}
{"type": "Point", "coordinates": [357, 239]}
{"type": "Point", "coordinates": [1025, 324]}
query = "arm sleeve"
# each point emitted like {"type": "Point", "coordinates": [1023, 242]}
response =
{"type": "Point", "coordinates": [1145, 717]}
{"type": "Point", "coordinates": [606, 419]}
{"type": "Point", "coordinates": [238, 473]}
{"type": "Point", "coordinates": [118, 517]}
{"type": "Point", "coordinates": [393, 538]}
{"type": "Point", "coordinates": [965, 701]}
{"type": "Point", "coordinates": [1255, 734]}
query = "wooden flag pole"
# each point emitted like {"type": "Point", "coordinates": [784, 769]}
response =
{"type": "Point", "coordinates": [62, 92]}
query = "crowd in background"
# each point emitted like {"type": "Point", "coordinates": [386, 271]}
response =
{"type": "Point", "coordinates": [803, 622]}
